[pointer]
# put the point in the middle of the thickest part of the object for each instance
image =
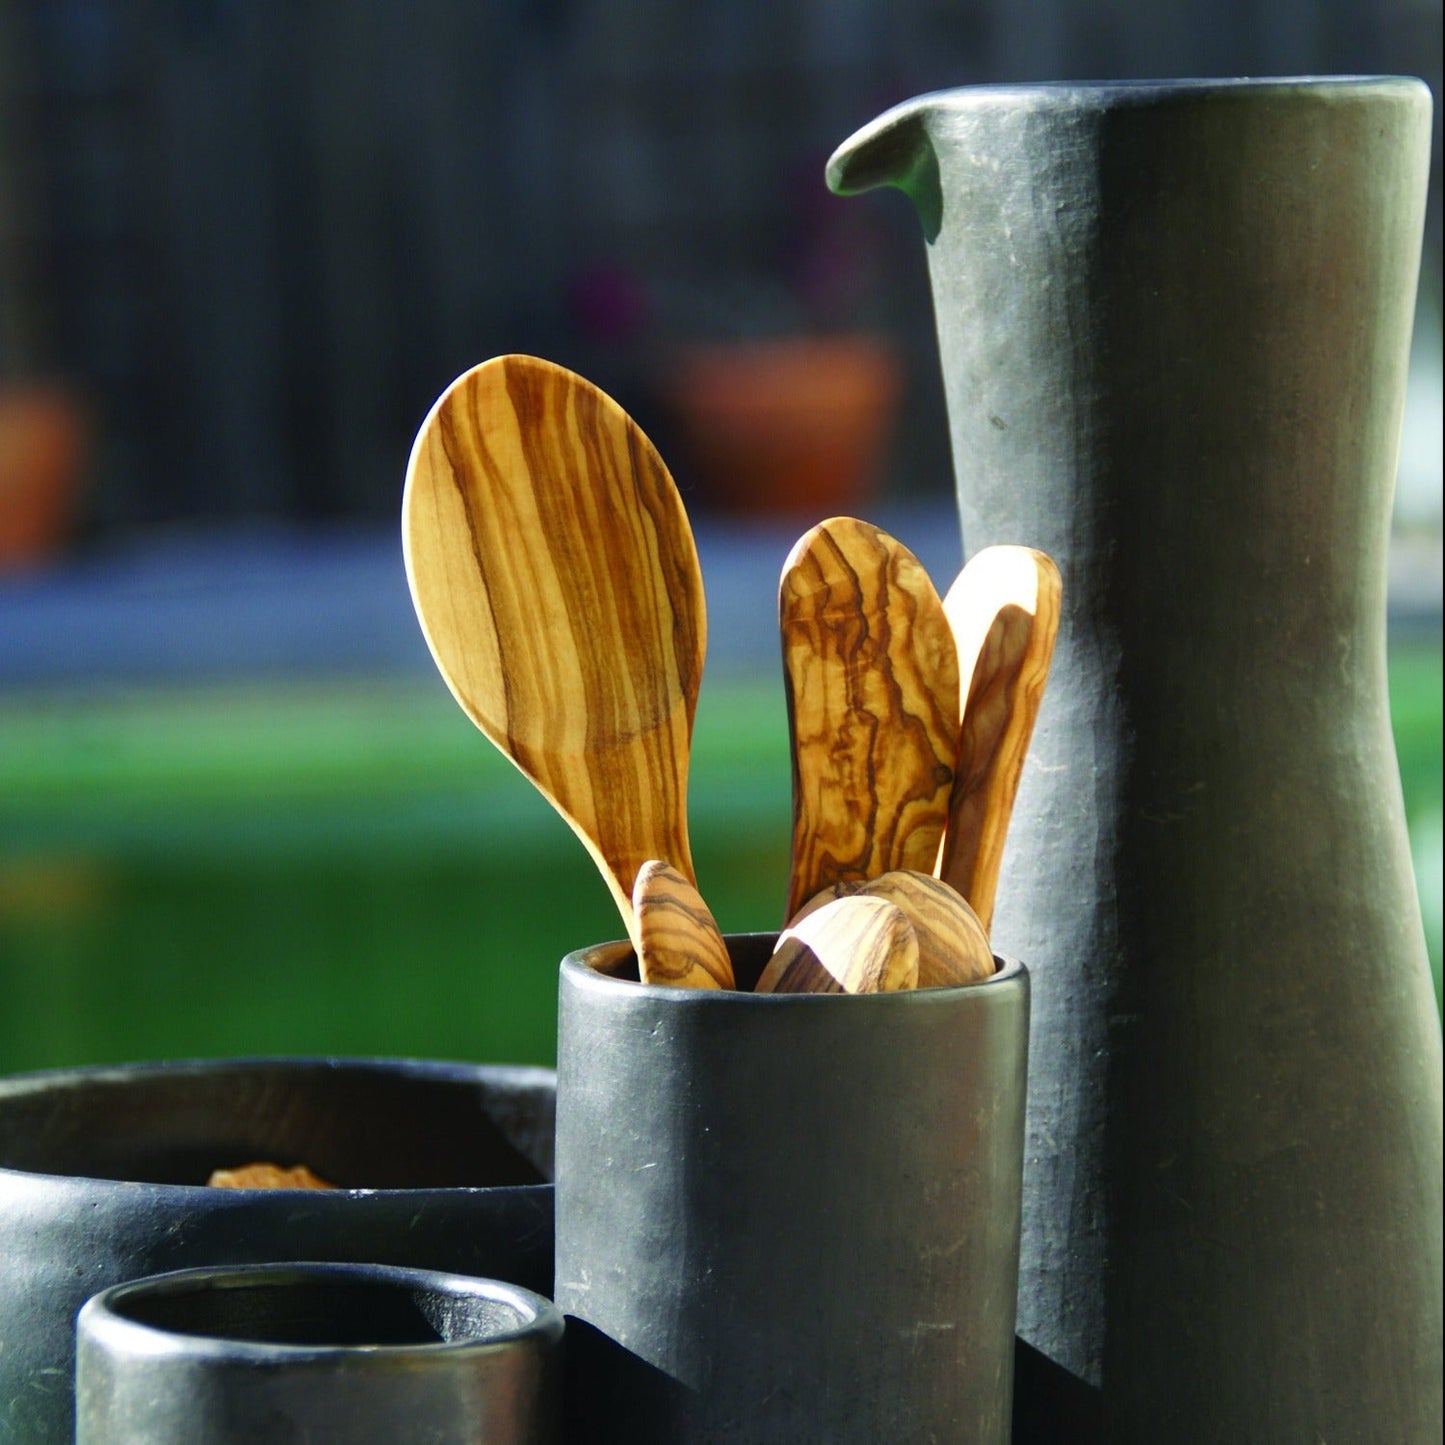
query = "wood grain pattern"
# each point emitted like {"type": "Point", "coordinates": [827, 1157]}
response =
{"type": "Point", "coordinates": [953, 946]}
{"type": "Point", "coordinates": [871, 674]}
{"type": "Point", "coordinates": [555, 575]}
{"type": "Point", "coordinates": [1004, 611]}
{"type": "Point", "coordinates": [852, 944]}
{"type": "Point", "coordinates": [680, 942]}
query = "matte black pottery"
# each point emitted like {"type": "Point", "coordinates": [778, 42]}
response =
{"type": "Point", "coordinates": [102, 1180]}
{"type": "Point", "coordinates": [1174, 322]}
{"type": "Point", "coordinates": [787, 1218]}
{"type": "Point", "coordinates": [366, 1354]}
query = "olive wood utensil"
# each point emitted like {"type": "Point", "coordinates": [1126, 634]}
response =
{"type": "Point", "coordinates": [853, 944]}
{"type": "Point", "coordinates": [556, 579]}
{"type": "Point", "coordinates": [953, 946]}
{"type": "Point", "coordinates": [680, 943]}
{"type": "Point", "coordinates": [871, 674]}
{"type": "Point", "coordinates": [1004, 611]}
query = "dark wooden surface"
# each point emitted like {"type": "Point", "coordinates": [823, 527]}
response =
{"type": "Point", "coordinates": [263, 237]}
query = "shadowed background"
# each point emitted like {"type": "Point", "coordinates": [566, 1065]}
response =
{"type": "Point", "coordinates": [243, 246]}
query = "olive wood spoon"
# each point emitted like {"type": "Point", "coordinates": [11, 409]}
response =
{"type": "Point", "coordinates": [1004, 611]}
{"type": "Point", "coordinates": [556, 579]}
{"type": "Point", "coordinates": [679, 942]}
{"type": "Point", "coordinates": [853, 944]}
{"type": "Point", "coordinates": [953, 946]}
{"type": "Point", "coordinates": [871, 675]}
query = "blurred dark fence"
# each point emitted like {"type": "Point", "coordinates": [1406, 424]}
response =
{"type": "Point", "coordinates": [261, 236]}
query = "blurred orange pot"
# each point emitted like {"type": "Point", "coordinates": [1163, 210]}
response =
{"type": "Point", "coordinates": [794, 425]}
{"type": "Point", "coordinates": [43, 445]}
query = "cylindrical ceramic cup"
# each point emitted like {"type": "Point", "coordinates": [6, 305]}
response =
{"type": "Point", "coordinates": [368, 1354]}
{"type": "Point", "coordinates": [103, 1179]}
{"type": "Point", "coordinates": [787, 1217]}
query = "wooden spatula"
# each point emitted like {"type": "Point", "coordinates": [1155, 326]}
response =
{"type": "Point", "coordinates": [1004, 612]}
{"type": "Point", "coordinates": [556, 578]}
{"type": "Point", "coordinates": [853, 944]}
{"type": "Point", "coordinates": [871, 674]}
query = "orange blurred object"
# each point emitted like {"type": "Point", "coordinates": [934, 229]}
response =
{"type": "Point", "coordinates": [44, 446]}
{"type": "Point", "coordinates": [789, 426]}
{"type": "Point", "coordinates": [263, 1175]}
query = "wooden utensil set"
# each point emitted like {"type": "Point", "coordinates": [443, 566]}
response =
{"type": "Point", "coordinates": [556, 579]}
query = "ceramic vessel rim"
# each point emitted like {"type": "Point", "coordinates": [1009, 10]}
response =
{"type": "Point", "coordinates": [1081, 97]}
{"type": "Point", "coordinates": [98, 1318]}
{"type": "Point", "coordinates": [582, 974]}
{"type": "Point", "coordinates": [38, 1080]}
{"type": "Point", "coordinates": [1105, 92]}
{"type": "Point", "coordinates": [315, 1198]}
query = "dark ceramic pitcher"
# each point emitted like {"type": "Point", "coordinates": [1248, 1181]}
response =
{"type": "Point", "coordinates": [1174, 322]}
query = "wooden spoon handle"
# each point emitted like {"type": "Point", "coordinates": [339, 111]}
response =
{"type": "Point", "coordinates": [871, 674]}
{"type": "Point", "coordinates": [1004, 611]}
{"type": "Point", "coordinates": [953, 946]}
{"type": "Point", "coordinates": [853, 944]}
{"type": "Point", "coordinates": [679, 942]}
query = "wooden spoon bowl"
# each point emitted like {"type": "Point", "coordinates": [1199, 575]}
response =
{"type": "Point", "coordinates": [556, 579]}
{"type": "Point", "coordinates": [953, 946]}
{"type": "Point", "coordinates": [852, 944]}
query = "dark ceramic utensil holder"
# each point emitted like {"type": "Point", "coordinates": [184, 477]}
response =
{"type": "Point", "coordinates": [368, 1354]}
{"type": "Point", "coordinates": [787, 1218]}
{"type": "Point", "coordinates": [102, 1180]}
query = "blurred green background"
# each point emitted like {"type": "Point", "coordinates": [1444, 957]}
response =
{"type": "Point", "coordinates": [353, 869]}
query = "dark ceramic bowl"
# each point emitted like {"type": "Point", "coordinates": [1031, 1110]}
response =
{"type": "Point", "coordinates": [102, 1180]}
{"type": "Point", "coordinates": [365, 1353]}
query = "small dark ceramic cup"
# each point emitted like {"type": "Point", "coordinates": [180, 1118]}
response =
{"type": "Point", "coordinates": [103, 1179]}
{"type": "Point", "coordinates": [368, 1354]}
{"type": "Point", "coordinates": [788, 1218]}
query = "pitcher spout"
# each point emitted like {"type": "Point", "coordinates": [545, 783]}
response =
{"type": "Point", "coordinates": [895, 149]}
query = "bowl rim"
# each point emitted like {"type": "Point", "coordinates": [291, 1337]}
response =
{"type": "Point", "coordinates": [101, 1323]}
{"type": "Point", "coordinates": [37, 1081]}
